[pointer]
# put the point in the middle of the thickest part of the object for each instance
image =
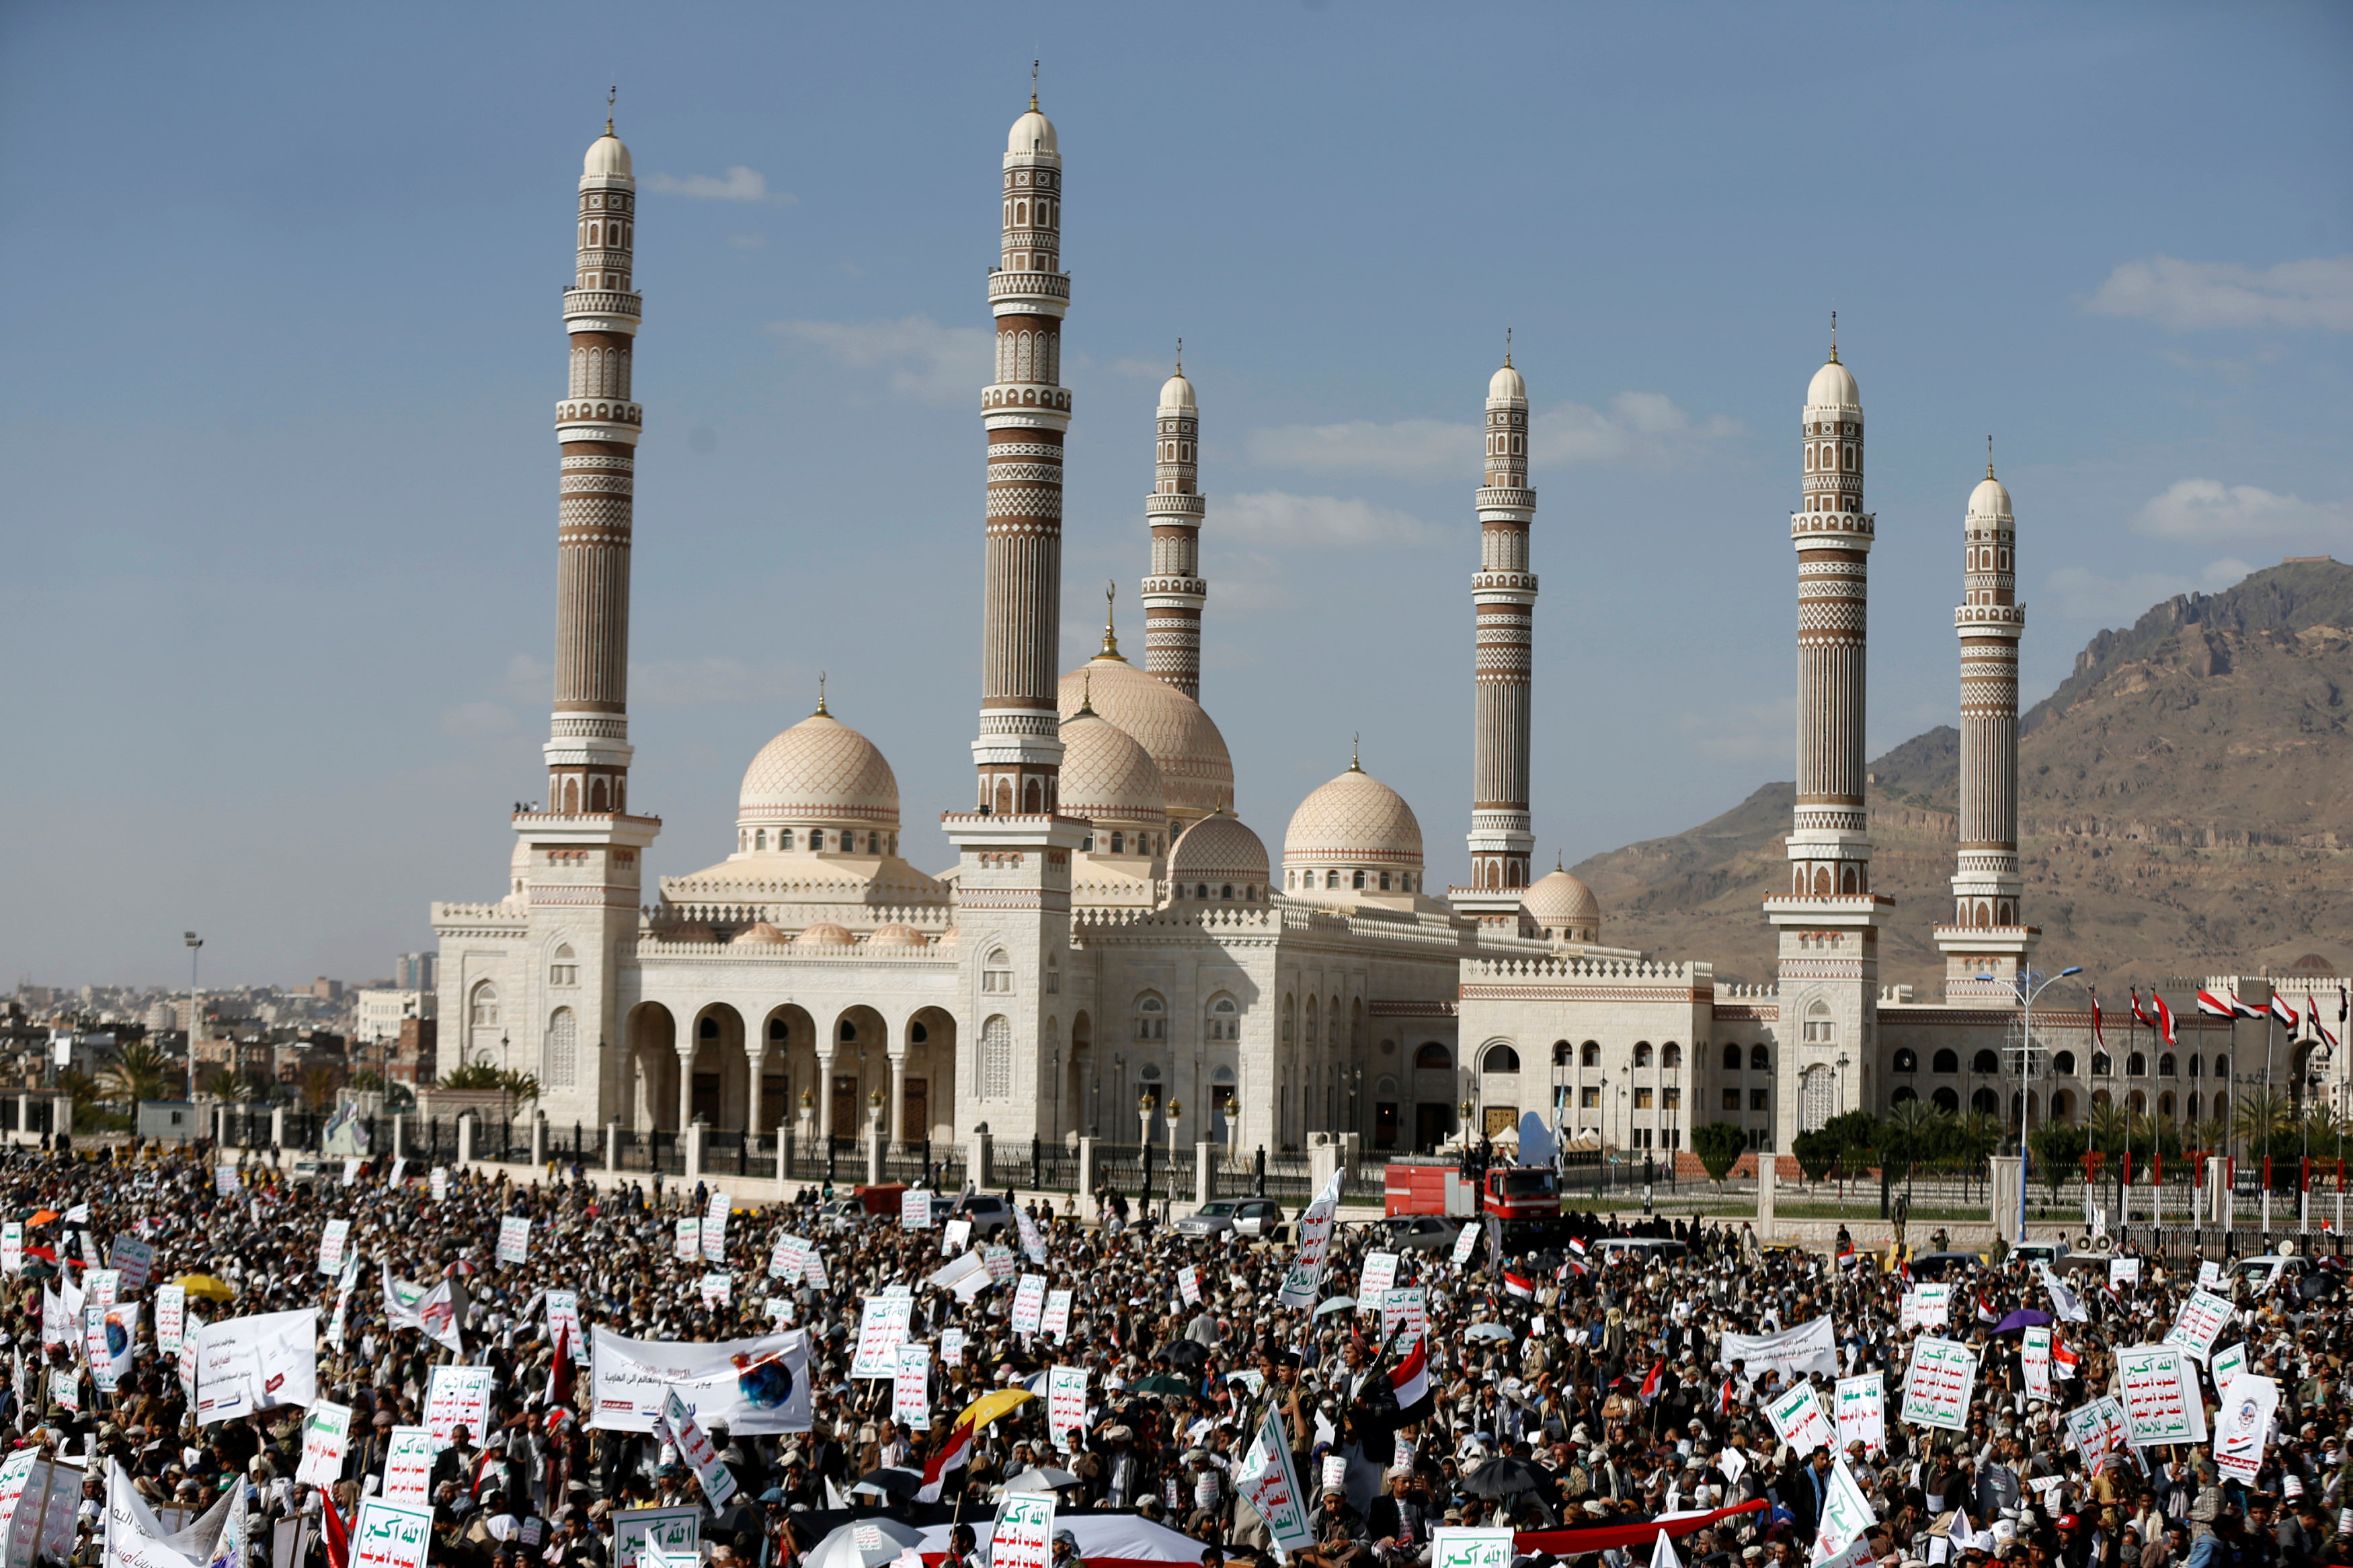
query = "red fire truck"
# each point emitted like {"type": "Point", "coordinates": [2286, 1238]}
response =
{"type": "Point", "coordinates": [1525, 1198]}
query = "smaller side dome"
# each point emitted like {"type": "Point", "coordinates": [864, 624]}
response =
{"type": "Point", "coordinates": [948, 937]}
{"type": "Point", "coordinates": [1219, 849]}
{"type": "Point", "coordinates": [608, 158]}
{"type": "Point", "coordinates": [1177, 394]}
{"type": "Point", "coordinates": [896, 936]}
{"type": "Point", "coordinates": [1833, 387]}
{"type": "Point", "coordinates": [759, 933]}
{"type": "Point", "coordinates": [1107, 775]}
{"type": "Point", "coordinates": [1564, 906]}
{"type": "Point", "coordinates": [693, 930]}
{"type": "Point", "coordinates": [1032, 136]}
{"type": "Point", "coordinates": [825, 933]}
{"type": "Point", "coordinates": [1506, 386]}
{"type": "Point", "coordinates": [1990, 502]}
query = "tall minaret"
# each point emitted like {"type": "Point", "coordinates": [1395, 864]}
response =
{"type": "Point", "coordinates": [1829, 920]}
{"type": "Point", "coordinates": [1174, 592]}
{"type": "Point", "coordinates": [1018, 752]}
{"type": "Point", "coordinates": [1986, 936]}
{"type": "Point", "coordinates": [1505, 593]}
{"type": "Point", "coordinates": [588, 744]}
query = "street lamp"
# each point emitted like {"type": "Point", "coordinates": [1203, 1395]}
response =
{"type": "Point", "coordinates": [2026, 985]}
{"type": "Point", "coordinates": [196, 1010]}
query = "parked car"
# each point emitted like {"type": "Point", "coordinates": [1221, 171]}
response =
{"type": "Point", "coordinates": [2054, 1253]}
{"type": "Point", "coordinates": [1253, 1218]}
{"type": "Point", "coordinates": [2261, 1274]}
{"type": "Point", "coordinates": [1414, 1233]}
{"type": "Point", "coordinates": [840, 1214]}
{"type": "Point", "coordinates": [988, 1212]}
{"type": "Point", "coordinates": [1931, 1267]}
{"type": "Point", "coordinates": [1641, 1248]}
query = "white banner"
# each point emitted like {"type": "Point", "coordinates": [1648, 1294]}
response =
{"type": "Point", "coordinates": [135, 1260]}
{"type": "Point", "coordinates": [101, 1287]}
{"type": "Point", "coordinates": [718, 1289]}
{"type": "Point", "coordinates": [1188, 1285]}
{"type": "Point", "coordinates": [136, 1538]}
{"type": "Point", "coordinates": [1266, 1478]}
{"type": "Point", "coordinates": [951, 1347]}
{"type": "Point", "coordinates": [408, 1464]}
{"type": "Point", "coordinates": [437, 1183]}
{"type": "Point", "coordinates": [714, 1228]}
{"type": "Point", "coordinates": [255, 1362]}
{"type": "Point", "coordinates": [1863, 1413]}
{"type": "Point", "coordinates": [1058, 1314]}
{"type": "Point", "coordinates": [2162, 1399]}
{"type": "Point", "coordinates": [332, 1242]}
{"type": "Point", "coordinates": [881, 1329]}
{"type": "Point", "coordinates": [1023, 1536]}
{"type": "Point", "coordinates": [563, 1323]}
{"type": "Point", "coordinates": [1405, 1313]}
{"type": "Point", "coordinates": [458, 1396]}
{"type": "Point", "coordinates": [752, 1387]}
{"type": "Point", "coordinates": [170, 1316]}
{"type": "Point", "coordinates": [1938, 1386]}
{"type": "Point", "coordinates": [911, 1391]}
{"type": "Point", "coordinates": [390, 1534]}
{"type": "Point", "coordinates": [1033, 1242]}
{"type": "Point", "coordinates": [2203, 1316]}
{"type": "Point", "coordinates": [326, 1433]}
{"type": "Point", "coordinates": [2124, 1271]}
{"type": "Point", "coordinates": [915, 1209]}
{"type": "Point", "coordinates": [954, 1236]}
{"type": "Point", "coordinates": [686, 1245]}
{"type": "Point", "coordinates": [1379, 1272]}
{"type": "Point", "coordinates": [784, 1262]}
{"type": "Point", "coordinates": [1066, 1405]}
{"type": "Point", "coordinates": [1029, 1304]}
{"type": "Point", "coordinates": [1800, 1421]}
{"type": "Point", "coordinates": [514, 1238]}
{"type": "Point", "coordinates": [2034, 1360]}
{"type": "Point", "coordinates": [113, 1336]}
{"type": "Point", "coordinates": [1934, 1305]}
{"type": "Point", "coordinates": [2243, 1426]}
{"type": "Point", "coordinates": [1810, 1347]}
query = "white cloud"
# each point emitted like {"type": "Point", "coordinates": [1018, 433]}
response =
{"type": "Point", "coordinates": [742, 185]}
{"type": "Point", "coordinates": [1644, 428]}
{"type": "Point", "coordinates": [2209, 511]}
{"type": "Point", "coordinates": [478, 719]}
{"type": "Point", "coordinates": [2085, 595]}
{"type": "Point", "coordinates": [927, 362]}
{"type": "Point", "coordinates": [2185, 294]}
{"type": "Point", "coordinates": [1277, 519]}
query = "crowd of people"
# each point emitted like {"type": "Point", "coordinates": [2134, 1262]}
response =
{"type": "Point", "coordinates": [1579, 1394]}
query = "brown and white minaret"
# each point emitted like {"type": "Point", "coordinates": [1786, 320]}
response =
{"type": "Point", "coordinates": [1027, 412]}
{"type": "Point", "coordinates": [1829, 919]}
{"type": "Point", "coordinates": [1175, 592]}
{"type": "Point", "coordinates": [1987, 936]}
{"type": "Point", "coordinates": [1503, 591]}
{"type": "Point", "coordinates": [598, 424]}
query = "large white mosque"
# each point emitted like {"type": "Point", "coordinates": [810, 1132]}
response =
{"type": "Point", "coordinates": [1113, 936]}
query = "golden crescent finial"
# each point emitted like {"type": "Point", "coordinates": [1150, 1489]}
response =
{"type": "Point", "coordinates": [1834, 337]}
{"type": "Point", "coordinates": [1507, 348]}
{"type": "Point", "coordinates": [1033, 87]}
{"type": "Point", "coordinates": [820, 691]}
{"type": "Point", "coordinates": [611, 93]}
{"type": "Point", "coordinates": [1989, 455]}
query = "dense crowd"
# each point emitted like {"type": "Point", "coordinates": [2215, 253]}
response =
{"type": "Point", "coordinates": [1575, 1395]}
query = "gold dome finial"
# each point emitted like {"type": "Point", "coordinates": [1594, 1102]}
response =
{"type": "Point", "coordinates": [611, 93]}
{"type": "Point", "coordinates": [820, 695]}
{"type": "Point", "coordinates": [1033, 87]}
{"type": "Point", "coordinates": [1109, 648]}
{"type": "Point", "coordinates": [1555, 861]}
{"type": "Point", "coordinates": [1356, 742]}
{"type": "Point", "coordinates": [1507, 348]}
{"type": "Point", "coordinates": [1834, 337]}
{"type": "Point", "coordinates": [1086, 693]}
{"type": "Point", "coordinates": [1988, 456]}
{"type": "Point", "coordinates": [1180, 356]}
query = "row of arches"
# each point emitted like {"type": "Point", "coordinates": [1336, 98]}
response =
{"type": "Point", "coordinates": [1988, 1063]}
{"type": "Point", "coordinates": [757, 1074]}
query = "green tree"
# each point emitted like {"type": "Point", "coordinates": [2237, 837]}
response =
{"type": "Point", "coordinates": [137, 1072]}
{"type": "Point", "coordinates": [2110, 1128]}
{"type": "Point", "coordinates": [2259, 1116]}
{"type": "Point", "coordinates": [1818, 1152]}
{"type": "Point", "coordinates": [1719, 1145]}
{"type": "Point", "coordinates": [2058, 1148]}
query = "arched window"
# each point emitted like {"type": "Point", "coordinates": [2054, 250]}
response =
{"type": "Point", "coordinates": [2165, 1066]}
{"type": "Point", "coordinates": [1118, 843]}
{"type": "Point", "coordinates": [563, 1040]}
{"type": "Point", "coordinates": [1641, 1053]}
{"type": "Point", "coordinates": [1944, 1061]}
{"type": "Point", "coordinates": [1560, 1053]}
{"type": "Point", "coordinates": [1331, 878]}
{"type": "Point", "coordinates": [1819, 1030]}
{"type": "Point", "coordinates": [1759, 1059]}
{"type": "Point", "coordinates": [2063, 1064]}
{"type": "Point", "coordinates": [1987, 1102]}
{"type": "Point", "coordinates": [2197, 1066]}
{"type": "Point", "coordinates": [1732, 1059]}
{"type": "Point", "coordinates": [1946, 1100]}
{"type": "Point", "coordinates": [997, 974]}
{"type": "Point", "coordinates": [2136, 1102]}
{"type": "Point", "coordinates": [1671, 1055]}
{"type": "Point", "coordinates": [1500, 1059]}
{"type": "Point", "coordinates": [996, 1058]}
{"type": "Point", "coordinates": [1433, 1057]}
{"type": "Point", "coordinates": [1225, 1019]}
{"type": "Point", "coordinates": [1359, 880]}
{"type": "Point", "coordinates": [2136, 1065]}
{"type": "Point", "coordinates": [2193, 1108]}
{"type": "Point", "coordinates": [1200, 890]}
{"type": "Point", "coordinates": [1290, 1011]}
{"type": "Point", "coordinates": [2222, 1068]}
{"type": "Point", "coordinates": [1589, 1054]}
{"type": "Point", "coordinates": [1817, 1095]}
{"type": "Point", "coordinates": [2165, 1105]}
{"type": "Point", "coordinates": [759, 838]}
{"type": "Point", "coordinates": [1907, 1060]}
{"type": "Point", "coordinates": [1986, 1062]}
{"type": "Point", "coordinates": [1907, 1093]}
{"type": "Point", "coordinates": [2102, 1067]}
{"type": "Point", "coordinates": [562, 968]}
{"type": "Point", "coordinates": [1151, 1017]}
{"type": "Point", "coordinates": [2062, 1106]}
{"type": "Point", "coordinates": [484, 1008]}
{"type": "Point", "coordinates": [1226, 890]}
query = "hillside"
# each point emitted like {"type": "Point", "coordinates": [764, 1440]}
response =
{"type": "Point", "coordinates": [2186, 798]}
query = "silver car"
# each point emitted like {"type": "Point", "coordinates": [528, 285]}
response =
{"type": "Point", "coordinates": [1254, 1218]}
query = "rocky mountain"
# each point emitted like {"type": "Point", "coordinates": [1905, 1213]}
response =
{"type": "Point", "coordinates": [2186, 804]}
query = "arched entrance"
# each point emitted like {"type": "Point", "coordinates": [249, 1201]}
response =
{"type": "Point", "coordinates": [787, 1067]}
{"type": "Point", "coordinates": [926, 1099]}
{"type": "Point", "coordinates": [652, 1099]}
{"type": "Point", "coordinates": [1073, 1110]}
{"type": "Point", "coordinates": [861, 1068]}
{"type": "Point", "coordinates": [719, 1068]}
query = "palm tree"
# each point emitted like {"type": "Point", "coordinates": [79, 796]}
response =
{"type": "Point", "coordinates": [2111, 1127]}
{"type": "Point", "coordinates": [2259, 1116]}
{"type": "Point", "coordinates": [137, 1072]}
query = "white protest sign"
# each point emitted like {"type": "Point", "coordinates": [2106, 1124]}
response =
{"type": "Point", "coordinates": [675, 1534]}
{"type": "Point", "coordinates": [437, 1184]}
{"type": "Point", "coordinates": [2034, 1361]}
{"type": "Point", "coordinates": [390, 1534]}
{"type": "Point", "coordinates": [1066, 1404]}
{"type": "Point", "coordinates": [2203, 1316]}
{"type": "Point", "coordinates": [564, 1322]}
{"type": "Point", "coordinates": [910, 1392]}
{"type": "Point", "coordinates": [1908, 1315]}
{"type": "Point", "coordinates": [1265, 1477]}
{"type": "Point", "coordinates": [257, 1362]}
{"type": "Point", "coordinates": [135, 1260]}
{"type": "Point", "coordinates": [2124, 1271]}
{"type": "Point", "coordinates": [1846, 1513]}
{"type": "Point", "coordinates": [458, 1396]}
{"type": "Point", "coordinates": [1034, 1240]}
{"type": "Point", "coordinates": [12, 1246]}
{"type": "Point", "coordinates": [1861, 1412]}
{"type": "Point", "coordinates": [101, 1287]}
{"type": "Point", "coordinates": [1024, 1533]}
{"type": "Point", "coordinates": [1188, 1285]}
{"type": "Point", "coordinates": [1934, 1305]}
{"type": "Point", "coordinates": [2210, 1274]}
{"type": "Point", "coordinates": [1405, 1311]}
{"type": "Point", "coordinates": [2227, 1363]}
{"type": "Point", "coordinates": [752, 1388]}
{"type": "Point", "coordinates": [784, 1262]}
{"type": "Point", "coordinates": [951, 1347]}
{"type": "Point", "coordinates": [1058, 1314]}
{"type": "Point", "coordinates": [514, 1238]}
{"type": "Point", "coordinates": [1810, 1347]}
{"type": "Point", "coordinates": [1379, 1272]}
{"type": "Point", "coordinates": [1455, 1546]}
{"type": "Point", "coordinates": [1798, 1420]}
{"type": "Point", "coordinates": [326, 1432]}
{"type": "Point", "coordinates": [915, 1209]}
{"type": "Point", "coordinates": [954, 1236]}
{"type": "Point", "coordinates": [1464, 1240]}
{"type": "Point", "coordinates": [686, 1241]}
{"type": "Point", "coordinates": [2162, 1401]}
{"type": "Point", "coordinates": [678, 1425]}
{"type": "Point", "coordinates": [225, 1181]}
{"type": "Point", "coordinates": [1000, 1262]}
{"type": "Point", "coordinates": [408, 1464]}
{"type": "Point", "coordinates": [170, 1316]}
{"type": "Point", "coordinates": [1029, 1304]}
{"type": "Point", "coordinates": [881, 1329]}
{"type": "Point", "coordinates": [714, 1228]}
{"type": "Point", "coordinates": [1937, 1385]}
{"type": "Point", "coordinates": [2243, 1426]}
{"type": "Point", "coordinates": [718, 1289]}
{"type": "Point", "coordinates": [351, 1172]}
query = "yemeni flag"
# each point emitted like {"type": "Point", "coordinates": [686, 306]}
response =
{"type": "Point", "coordinates": [1723, 1397]}
{"type": "Point", "coordinates": [339, 1537]}
{"type": "Point", "coordinates": [2213, 1006]}
{"type": "Point", "coordinates": [2063, 1361]}
{"type": "Point", "coordinates": [2098, 1039]}
{"type": "Point", "coordinates": [559, 1381]}
{"type": "Point", "coordinates": [1656, 1381]}
{"type": "Point", "coordinates": [1986, 1314]}
{"type": "Point", "coordinates": [2164, 1024]}
{"type": "Point", "coordinates": [2140, 1015]}
{"type": "Point", "coordinates": [953, 1455]}
{"type": "Point", "coordinates": [2285, 1011]}
{"type": "Point", "coordinates": [1576, 1246]}
{"type": "Point", "coordinates": [2312, 1016]}
{"type": "Point", "coordinates": [1519, 1285]}
{"type": "Point", "coordinates": [1410, 1380]}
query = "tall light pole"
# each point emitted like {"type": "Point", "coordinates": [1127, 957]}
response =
{"type": "Point", "coordinates": [2026, 985]}
{"type": "Point", "coordinates": [196, 1010]}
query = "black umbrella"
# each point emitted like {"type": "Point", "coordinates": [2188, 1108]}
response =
{"type": "Point", "coordinates": [893, 1480]}
{"type": "Point", "coordinates": [2315, 1286]}
{"type": "Point", "coordinates": [1186, 1353]}
{"type": "Point", "coordinates": [1504, 1477]}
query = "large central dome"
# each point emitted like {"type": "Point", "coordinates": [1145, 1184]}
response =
{"type": "Point", "coordinates": [1195, 772]}
{"type": "Point", "coordinates": [820, 773]}
{"type": "Point", "coordinates": [1354, 835]}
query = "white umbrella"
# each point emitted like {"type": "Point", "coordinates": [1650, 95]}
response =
{"type": "Point", "coordinates": [1037, 1478]}
{"type": "Point", "coordinates": [862, 1544]}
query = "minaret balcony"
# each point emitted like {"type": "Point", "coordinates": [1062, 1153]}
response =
{"type": "Point", "coordinates": [1005, 285]}
{"type": "Point", "coordinates": [1175, 506]}
{"type": "Point", "coordinates": [581, 411]}
{"type": "Point", "coordinates": [1491, 498]}
{"type": "Point", "coordinates": [1991, 619]}
{"type": "Point", "coordinates": [602, 303]}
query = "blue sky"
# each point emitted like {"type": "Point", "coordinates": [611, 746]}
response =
{"type": "Point", "coordinates": [285, 345]}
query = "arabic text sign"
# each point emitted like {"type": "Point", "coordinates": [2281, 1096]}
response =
{"type": "Point", "coordinates": [2202, 1317]}
{"type": "Point", "coordinates": [911, 1392]}
{"type": "Point", "coordinates": [1453, 1546]}
{"type": "Point", "coordinates": [915, 1209]}
{"type": "Point", "coordinates": [2097, 1430]}
{"type": "Point", "coordinates": [2162, 1402]}
{"type": "Point", "coordinates": [1936, 1388]}
{"type": "Point", "coordinates": [1863, 1413]}
{"type": "Point", "coordinates": [390, 1534]}
{"type": "Point", "coordinates": [1058, 1313]}
{"type": "Point", "coordinates": [687, 1245]}
{"type": "Point", "coordinates": [784, 1262]}
{"type": "Point", "coordinates": [1934, 1304]}
{"type": "Point", "coordinates": [1029, 1304]}
{"type": "Point", "coordinates": [2227, 1363]}
{"type": "Point", "coordinates": [694, 1446]}
{"type": "Point", "coordinates": [326, 1432]}
{"type": "Point", "coordinates": [2124, 1271]}
{"type": "Point", "coordinates": [458, 1396]}
{"type": "Point", "coordinates": [514, 1238]}
{"type": "Point", "coordinates": [170, 1316]}
{"type": "Point", "coordinates": [714, 1228]}
{"type": "Point", "coordinates": [676, 1534]}
{"type": "Point", "coordinates": [1066, 1401]}
{"type": "Point", "coordinates": [135, 1260]}
{"type": "Point", "coordinates": [881, 1329]}
{"type": "Point", "coordinates": [564, 1321]}
{"type": "Point", "coordinates": [1405, 1309]}
{"type": "Point", "coordinates": [1024, 1536]}
{"type": "Point", "coordinates": [2035, 1358]}
{"type": "Point", "coordinates": [408, 1464]}
{"type": "Point", "coordinates": [1797, 1420]}
{"type": "Point", "coordinates": [332, 1242]}
{"type": "Point", "coordinates": [1810, 1347]}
